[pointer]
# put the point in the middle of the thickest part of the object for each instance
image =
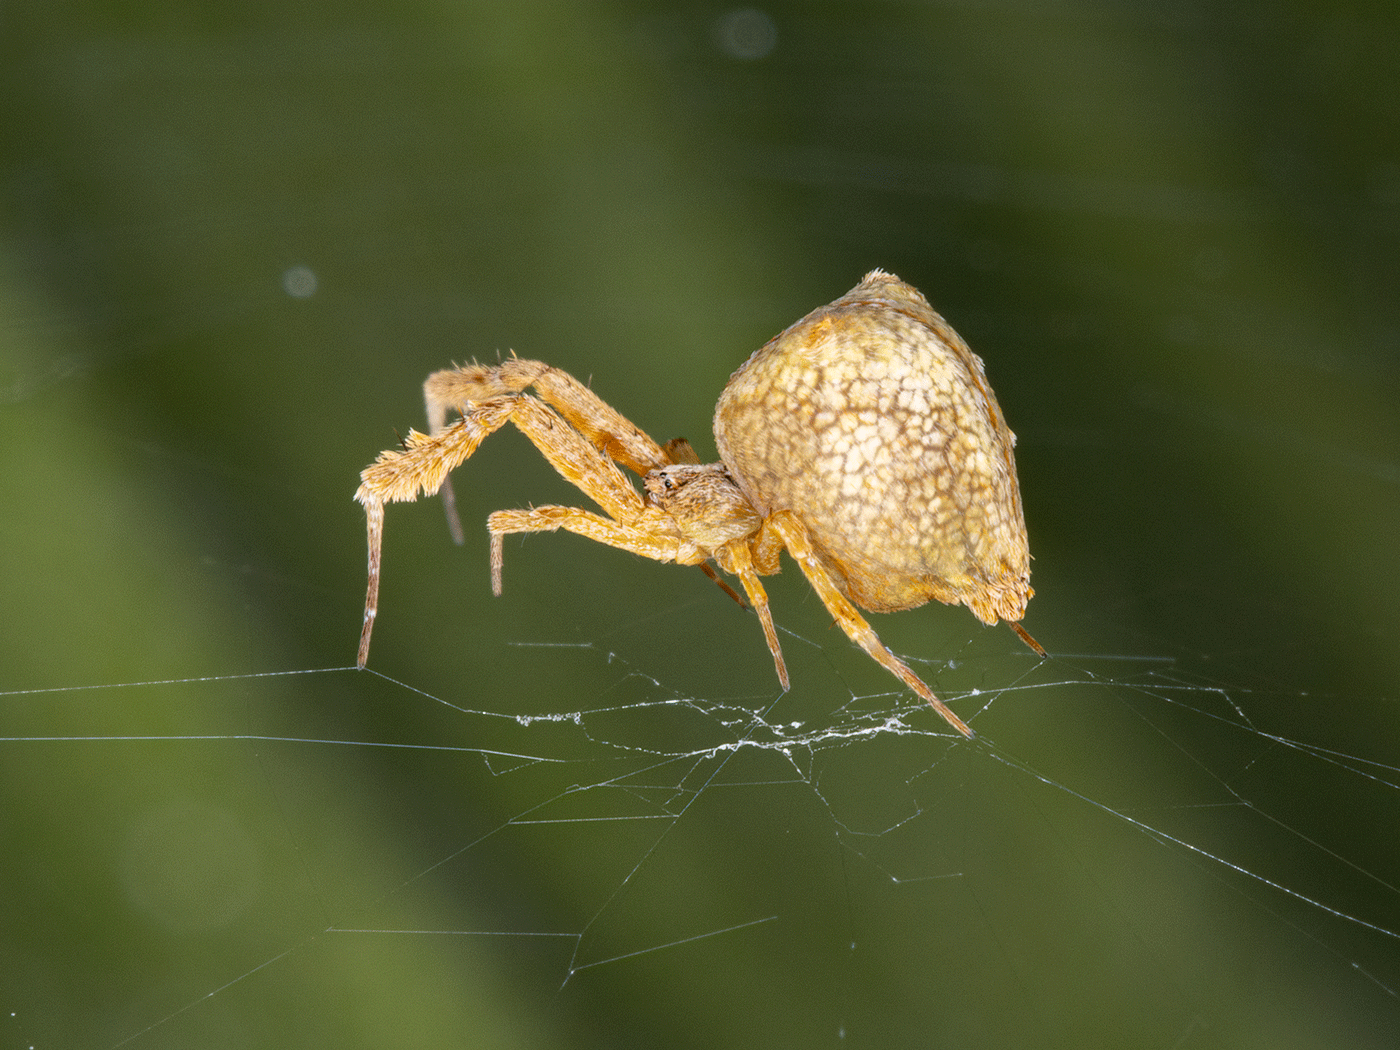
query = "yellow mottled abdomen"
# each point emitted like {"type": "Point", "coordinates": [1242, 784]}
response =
{"type": "Point", "coordinates": [872, 421]}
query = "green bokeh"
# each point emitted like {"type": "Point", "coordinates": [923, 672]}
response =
{"type": "Point", "coordinates": [1172, 232]}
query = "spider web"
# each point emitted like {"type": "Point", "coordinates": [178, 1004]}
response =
{"type": "Point", "coordinates": [580, 812]}
{"type": "Point", "coordinates": [583, 814]}
{"type": "Point", "coordinates": [591, 791]}
{"type": "Point", "coordinates": [542, 832]}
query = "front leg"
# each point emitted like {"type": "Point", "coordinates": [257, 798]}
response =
{"type": "Point", "coordinates": [424, 463]}
{"type": "Point", "coordinates": [607, 429]}
{"type": "Point", "coordinates": [652, 534]}
{"type": "Point", "coordinates": [461, 388]}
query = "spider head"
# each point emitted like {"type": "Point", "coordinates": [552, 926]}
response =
{"type": "Point", "coordinates": [704, 502]}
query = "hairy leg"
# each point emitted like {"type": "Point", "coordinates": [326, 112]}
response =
{"type": "Point", "coordinates": [1021, 633]}
{"type": "Point", "coordinates": [608, 430]}
{"type": "Point", "coordinates": [424, 463]}
{"type": "Point", "coordinates": [734, 557]}
{"type": "Point", "coordinates": [457, 389]}
{"type": "Point", "coordinates": [374, 517]}
{"type": "Point", "coordinates": [652, 535]}
{"type": "Point", "coordinates": [799, 545]}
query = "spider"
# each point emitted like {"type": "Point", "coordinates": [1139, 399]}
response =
{"type": "Point", "coordinates": [863, 440]}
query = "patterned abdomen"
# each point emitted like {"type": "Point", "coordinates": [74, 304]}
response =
{"type": "Point", "coordinates": [872, 421]}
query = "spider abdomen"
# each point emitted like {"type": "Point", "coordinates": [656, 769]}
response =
{"type": "Point", "coordinates": [873, 423]}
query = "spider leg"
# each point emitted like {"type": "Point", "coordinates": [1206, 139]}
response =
{"type": "Point", "coordinates": [735, 558]}
{"type": "Point", "coordinates": [610, 432]}
{"type": "Point", "coordinates": [457, 389]}
{"type": "Point", "coordinates": [652, 535]}
{"type": "Point", "coordinates": [437, 423]}
{"type": "Point", "coordinates": [374, 516]}
{"type": "Point", "coordinates": [449, 507]}
{"type": "Point", "coordinates": [607, 429]}
{"type": "Point", "coordinates": [705, 568]}
{"type": "Point", "coordinates": [799, 545]}
{"type": "Point", "coordinates": [425, 461]}
{"type": "Point", "coordinates": [421, 466]}
{"type": "Point", "coordinates": [678, 450]}
{"type": "Point", "coordinates": [1024, 635]}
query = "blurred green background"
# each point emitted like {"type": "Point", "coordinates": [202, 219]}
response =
{"type": "Point", "coordinates": [234, 238]}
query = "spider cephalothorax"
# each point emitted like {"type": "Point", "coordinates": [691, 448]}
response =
{"type": "Point", "coordinates": [864, 440]}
